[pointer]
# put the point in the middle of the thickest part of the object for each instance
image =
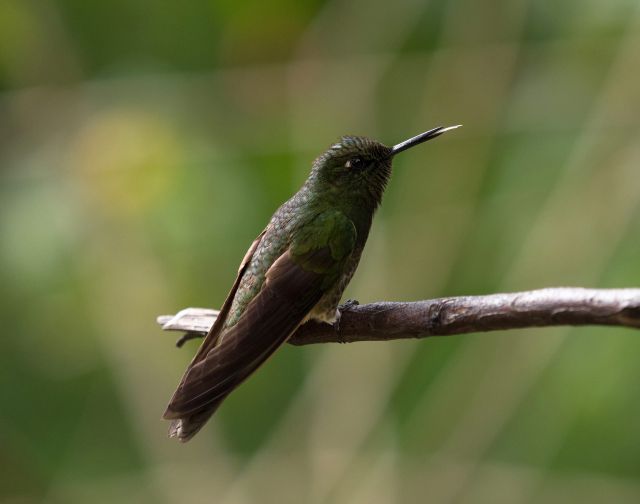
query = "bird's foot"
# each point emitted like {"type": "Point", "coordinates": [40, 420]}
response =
{"type": "Point", "coordinates": [188, 336]}
{"type": "Point", "coordinates": [346, 306]}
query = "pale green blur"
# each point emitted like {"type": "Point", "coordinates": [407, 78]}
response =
{"type": "Point", "coordinates": [143, 145]}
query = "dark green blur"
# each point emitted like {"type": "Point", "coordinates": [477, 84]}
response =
{"type": "Point", "coordinates": [143, 145]}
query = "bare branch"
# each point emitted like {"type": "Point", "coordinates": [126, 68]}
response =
{"type": "Point", "coordinates": [454, 315]}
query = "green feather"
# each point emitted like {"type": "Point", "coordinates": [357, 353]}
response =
{"type": "Point", "coordinates": [324, 244]}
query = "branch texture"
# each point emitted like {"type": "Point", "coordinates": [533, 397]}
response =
{"type": "Point", "coordinates": [447, 316]}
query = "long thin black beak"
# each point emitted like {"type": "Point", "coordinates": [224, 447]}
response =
{"type": "Point", "coordinates": [422, 137]}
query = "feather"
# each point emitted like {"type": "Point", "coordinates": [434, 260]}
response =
{"type": "Point", "coordinates": [293, 286]}
{"type": "Point", "coordinates": [289, 294]}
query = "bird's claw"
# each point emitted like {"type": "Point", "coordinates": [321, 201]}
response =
{"type": "Point", "coordinates": [346, 306]}
{"type": "Point", "coordinates": [186, 337]}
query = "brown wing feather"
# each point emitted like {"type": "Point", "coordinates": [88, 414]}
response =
{"type": "Point", "coordinates": [289, 294]}
{"type": "Point", "coordinates": [212, 336]}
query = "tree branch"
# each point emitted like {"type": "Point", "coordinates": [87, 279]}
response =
{"type": "Point", "coordinates": [447, 316]}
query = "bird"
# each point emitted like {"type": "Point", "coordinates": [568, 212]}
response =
{"type": "Point", "coordinates": [294, 271]}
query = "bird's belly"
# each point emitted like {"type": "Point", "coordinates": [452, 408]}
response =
{"type": "Point", "coordinates": [323, 313]}
{"type": "Point", "coordinates": [327, 308]}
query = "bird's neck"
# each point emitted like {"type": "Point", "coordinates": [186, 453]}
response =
{"type": "Point", "coordinates": [359, 206]}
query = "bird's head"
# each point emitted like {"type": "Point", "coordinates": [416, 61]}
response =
{"type": "Point", "coordinates": [358, 166]}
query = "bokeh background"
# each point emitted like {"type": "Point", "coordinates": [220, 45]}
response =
{"type": "Point", "coordinates": [143, 145]}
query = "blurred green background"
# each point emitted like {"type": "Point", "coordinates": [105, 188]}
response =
{"type": "Point", "coordinates": [143, 145]}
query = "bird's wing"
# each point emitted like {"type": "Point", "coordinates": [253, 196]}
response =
{"type": "Point", "coordinates": [214, 332]}
{"type": "Point", "coordinates": [293, 286]}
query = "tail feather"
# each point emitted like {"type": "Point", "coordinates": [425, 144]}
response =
{"type": "Point", "coordinates": [184, 428]}
{"type": "Point", "coordinates": [288, 295]}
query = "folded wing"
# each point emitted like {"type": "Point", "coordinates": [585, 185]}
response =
{"type": "Point", "coordinates": [294, 284]}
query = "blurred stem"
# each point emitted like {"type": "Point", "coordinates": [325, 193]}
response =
{"type": "Point", "coordinates": [447, 316]}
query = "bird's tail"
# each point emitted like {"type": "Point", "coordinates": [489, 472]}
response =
{"type": "Point", "coordinates": [186, 427]}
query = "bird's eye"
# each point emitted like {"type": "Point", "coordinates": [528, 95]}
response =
{"type": "Point", "coordinates": [354, 163]}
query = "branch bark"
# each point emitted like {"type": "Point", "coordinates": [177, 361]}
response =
{"type": "Point", "coordinates": [447, 316]}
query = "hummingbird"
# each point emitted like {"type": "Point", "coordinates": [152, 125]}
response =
{"type": "Point", "coordinates": [295, 271]}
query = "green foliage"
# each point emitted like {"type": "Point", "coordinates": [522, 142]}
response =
{"type": "Point", "coordinates": [144, 145]}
